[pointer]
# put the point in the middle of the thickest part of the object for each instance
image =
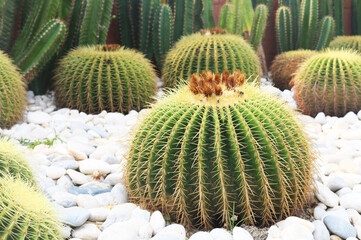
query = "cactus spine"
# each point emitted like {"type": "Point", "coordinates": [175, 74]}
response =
{"type": "Point", "coordinates": [326, 34]}
{"type": "Point", "coordinates": [13, 93]}
{"type": "Point", "coordinates": [258, 26]}
{"type": "Point", "coordinates": [96, 22]}
{"type": "Point", "coordinates": [329, 82]}
{"type": "Point", "coordinates": [13, 163]}
{"type": "Point", "coordinates": [162, 32]}
{"type": "Point", "coordinates": [96, 78]}
{"type": "Point", "coordinates": [25, 213]}
{"type": "Point", "coordinates": [215, 52]}
{"type": "Point", "coordinates": [217, 146]}
{"type": "Point", "coordinates": [43, 47]}
{"type": "Point", "coordinates": [286, 64]}
{"type": "Point", "coordinates": [284, 29]}
{"type": "Point", "coordinates": [347, 42]}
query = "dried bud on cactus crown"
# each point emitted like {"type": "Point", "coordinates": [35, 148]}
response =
{"type": "Point", "coordinates": [108, 47]}
{"type": "Point", "coordinates": [213, 31]}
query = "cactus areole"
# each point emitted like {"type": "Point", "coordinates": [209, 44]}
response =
{"type": "Point", "coordinates": [219, 146]}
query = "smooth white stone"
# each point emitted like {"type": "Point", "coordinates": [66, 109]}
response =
{"type": "Point", "coordinates": [335, 183]}
{"type": "Point", "coordinates": [89, 166]}
{"type": "Point", "coordinates": [38, 117]}
{"type": "Point", "coordinates": [119, 193]}
{"type": "Point", "coordinates": [343, 191]}
{"type": "Point", "coordinates": [105, 199]}
{"type": "Point", "coordinates": [320, 118]}
{"type": "Point", "coordinates": [201, 236]}
{"type": "Point", "coordinates": [115, 178]}
{"type": "Point", "coordinates": [241, 234]}
{"type": "Point", "coordinates": [65, 182]}
{"type": "Point", "coordinates": [221, 233]}
{"type": "Point", "coordinates": [76, 153]}
{"type": "Point", "coordinates": [140, 213]}
{"type": "Point", "coordinates": [88, 231]}
{"type": "Point", "coordinates": [55, 172]}
{"type": "Point", "coordinates": [325, 195]}
{"type": "Point", "coordinates": [321, 232]}
{"type": "Point", "coordinates": [175, 230]}
{"type": "Point", "coordinates": [297, 232]}
{"type": "Point", "coordinates": [318, 213]}
{"type": "Point", "coordinates": [65, 199]}
{"type": "Point", "coordinates": [157, 221]}
{"type": "Point", "coordinates": [87, 201]}
{"type": "Point", "coordinates": [351, 200]}
{"type": "Point", "coordinates": [77, 177]}
{"type": "Point", "coordinates": [124, 230]}
{"type": "Point", "coordinates": [145, 232]}
{"type": "Point", "coordinates": [99, 214]}
{"type": "Point", "coordinates": [119, 213]}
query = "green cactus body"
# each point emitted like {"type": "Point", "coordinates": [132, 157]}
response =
{"type": "Point", "coordinates": [215, 52]}
{"type": "Point", "coordinates": [356, 17]}
{"type": "Point", "coordinates": [207, 15]}
{"type": "Point", "coordinates": [286, 64]}
{"type": "Point", "coordinates": [92, 79]}
{"type": "Point", "coordinates": [308, 23]}
{"type": "Point", "coordinates": [327, 33]}
{"type": "Point", "coordinates": [197, 15]}
{"type": "Point", "coordinates": [179, 13]}
{"type": "Point", "coordinates": [284, 29]}
{"type": "Point", "coordinates": [13, 163]}
{"type": "Point", "coordinates": [258, 26]}
{"type": "Point", "coordinates": [65, 10]}
{"type": "Point", "coordinates": [125, 29]}
{"type": "Point", "coordinates": [347, 42]}
{"type": "Point", "coordinates": [162, 32]}
{"type": "Point", "coordinates": [188, 17]}
{"type": "Point", "coordinates": [339, 8]}
{"type": "Point", "coordinates": [329, 82]}
{"type": "Point", "coordinates": [25, 213]}
{"type": "Point", "coordinates": [200, 155]}
{"type": "Point", "coordinates": [8, 11]}
{"type": "Point", "coordinates": [96, 22]}
{"type": "Point", "coordinates": [43, 47]}
{"type": "Point", "coordinates": [227, 18]}
{"type": "Point", "coordinates": [12, 93]}
{"type": "Point", "coordinates": [146, 10]}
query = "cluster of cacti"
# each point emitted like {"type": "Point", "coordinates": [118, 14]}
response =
{"type": "Point", "coordinates": [356, 17]}
{"type": "Point", "coordinates": [329, 82]}
{"type": "Point", "coordinates": [96, 78]}
{"type": "Point", "coordinates": [286, 64]}
{"type": "Point", "coordinates": [294, 33]}
{"type": "Point", "coordinates": [219, 148]}
{"type": "Point", "coordinates": [13, 163]}
{"type": "Point", "coordinates": [142, 22]}
{"type": "Point", "coordinates": [347, 42]}
{"type": "Point", "coordinates": [212, 51]}
{"type": "Point", "coordinates": [25, 213]}
{"type": "Point", "coordinates": [335, 9]}
{"type": "Point", "coordinates": [12, 93]}
{"type": "Point", "coordinates": [250, 25]}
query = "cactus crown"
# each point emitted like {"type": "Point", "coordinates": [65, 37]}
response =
{"type": "Point", "coordinates": [213, 31]}
{"type": "Point", "coordinates": [108, 48]}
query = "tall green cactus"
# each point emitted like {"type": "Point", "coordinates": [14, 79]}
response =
{"type": "Point", "coordinates": [96, 22]}
{"type": "Point", "coordinates": [8, 11]}
{"type": "Point", "coordinates": [13, 94]}
{"type": "Point", "coordinates": [294, 6]}
{"type": "Point", "coordinates": [227, 17]}
{"type": "Point", "coordinates": [25, 213]}
{"type": "Point", "coordinates": [162, 32]}
{"type": "Point", "coordinates": [216, 149]}
{"type": "Point", "coordinates": [326, 34]}
{"type": "Point", "coordinates": [258, 26]}
{"type": "Point", "coordinates": [356, 17]}
{"type": "Point", "coordinates": [308, 23]}
{"type": "Point", "coordinates": [145, 27]}
{"type": "Point", "coordinates": [198, 23]}
{"type": "Point", "coordinates": [338, 9]}
{"type": "Point", "coordinates": [96, 78]}
{"type": "Point", "coordinates": [328, 82]}
{"type": "Point", "coordinates": [42, 48]}
{"type": "Point", "coordinates": [207, 16]}
{"type": "Point", "coordinates": [216, 52]}
{"type": "Point", "coordinates": [284, 29]}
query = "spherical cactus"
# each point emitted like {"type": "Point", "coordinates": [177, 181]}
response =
{"type": "Point", "coordinates": [215, 51]}
{"type": "Point", "coordinates": [329, 82]}
{"type": "Point", "coordinates": [347, 42]}
{"type": "Point", "coordinates": [12, 93]}
{"type": "Point", "coordinates": [286, 64]}
{"type": "Point", "coordinates": [13, 163]}
{"type": "Point", "coordinates": [97, 78]}
{"type": "Point", "coordinates": [25, 213]}
{"type": "Point", "coordinates": [216, 147]}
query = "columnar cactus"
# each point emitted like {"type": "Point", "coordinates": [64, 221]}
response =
{"type": "Point", "coordinates": [329, 82]}
{"type": "Point", "coordinates": [258, 26]}
{"type": "Point", "coordinates": [356, 17]}
{"type": "Point", "coordinates": [96, 78]}
{"type": "Point", "coordinates": [25, 213]}
{"type": "Point", "coordinates": [286, 64]}
{"type": "Point", "coordinates": [218, 146]}
{"type": "Point", "coordinates": [212, 50]}
{"type": "Point", "coordinates": [284, 29]}
{"type": "Point", "coordinates": [347, 42]}
{"type": "Point", "coordinates": [13, 163]}
{"type": "Point", "coordinates": [12, 93]}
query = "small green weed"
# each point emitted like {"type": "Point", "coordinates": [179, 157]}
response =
{"type": "Point", "coordinates": [33, 143]}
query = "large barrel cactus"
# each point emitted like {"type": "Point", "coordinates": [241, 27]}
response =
{"type": "Point", "coordinates": [347, 42]}
{"type": "Point", "coordinates": [216, 147]}
{"type": "Point", "coordinates": [13, 163]}
{"type": "Point", "coordinates": [25, 213]}
{"type": "Point", "coordinates": [212, 50]}
{"type": "Point", "coordinates": [12, 93]}
{"type": "Point", "coordinates": [286, 64]}
{"type": "Point", "coordinates": [96, 78]}
{"type": "Point", "coordinates": [329, 82]}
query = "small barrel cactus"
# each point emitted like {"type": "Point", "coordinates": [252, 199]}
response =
{"type": "Point", "coordinates": [218, 147]}
{"type": "Point", "coordinates": [329, 82]}
{"type": "Point", "coordinates": [13, 163]}
{"type": "Point", "coordinates": [25, 213]}
{"type": "Point", "coordinates": [212, 50]}
{"type": "Point", "coordinates": [286, 64]}
{"type": "Point", "coordinates": [12, 93]}
{"type": "Point", "coordinates": [347, 42]}
{"type": "Point", "coordinates": [96, 78]}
